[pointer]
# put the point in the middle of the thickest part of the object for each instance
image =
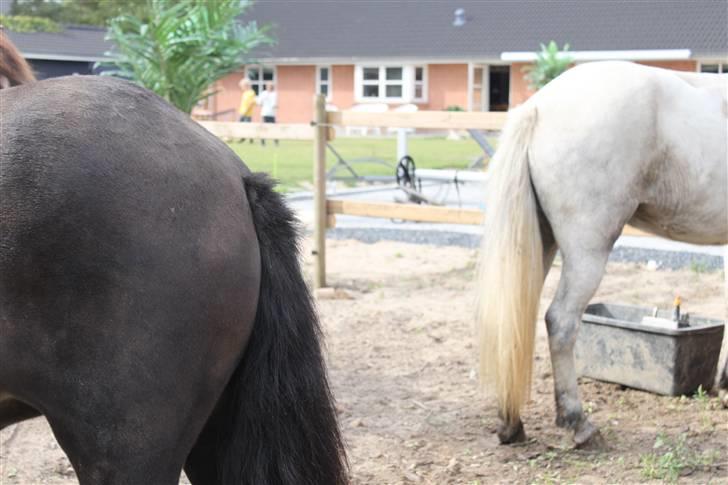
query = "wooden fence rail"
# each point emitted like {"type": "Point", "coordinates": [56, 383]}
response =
{"type": "Point", "coordinates": [321, 133]}
{"type": "Point", "coordinates": [278, 131]}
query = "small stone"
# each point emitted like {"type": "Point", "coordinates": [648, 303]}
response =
{"type": "Point", "coordinates": [412, 477]}
{"type": "Point", "coordinates": [453, 466]}
{"type": "Point", "coordinates": [356, 423]}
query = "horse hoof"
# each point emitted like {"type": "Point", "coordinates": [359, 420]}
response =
{"type": "Point", "coordinates": [588, 437]}
{"type": "Point", "coordinates": [509, 434]}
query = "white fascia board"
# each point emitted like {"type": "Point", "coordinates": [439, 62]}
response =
{"type": "Point", "coordinates": [61, 57]}
{"type": "Point", "coordinates": [627, 55]}
{"type": "Point", "coordinates": [383, 60]}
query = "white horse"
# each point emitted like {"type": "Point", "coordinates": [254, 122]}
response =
{"type": "Point", "coordinates": [604, 145]}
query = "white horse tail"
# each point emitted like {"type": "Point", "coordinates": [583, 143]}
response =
{"type": "Point", "coordinates": [511, 269]}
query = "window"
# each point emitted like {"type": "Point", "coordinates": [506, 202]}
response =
{"type": "Point", "coordinates": [323, 81]}
{"type": "Point", "coordinates": [715, 67]}
{"type": "Point", "coordinates": [259, 76]}
{"type": "Point", "coordinates": [393, 82]}
{"type": "Point", "coordinates": [398, 84]}
{"type": "Point", "coordinates": [370, 82]}
{"type": "Point", "coordinates": [419, 85]}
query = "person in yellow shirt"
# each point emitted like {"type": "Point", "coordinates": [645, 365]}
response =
{"type": "Point", "coordinates": [247, 101]}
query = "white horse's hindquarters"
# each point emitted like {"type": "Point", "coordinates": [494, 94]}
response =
{"type": "Point", "coordinates": [616, 136]}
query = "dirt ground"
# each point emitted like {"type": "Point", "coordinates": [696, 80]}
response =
{"type": "Point", "coordinates": [402, 365]}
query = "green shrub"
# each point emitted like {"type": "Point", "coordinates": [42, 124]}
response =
{"type": "Point", "coordinates": [25, 23]}
{"type": "Point", "coordinates": [550, 63]}
{"type": "Point", "coordinates": [184, 48]}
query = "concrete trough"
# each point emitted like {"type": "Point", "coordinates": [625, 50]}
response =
{"type": "Point", "coordinates": [625, 345]}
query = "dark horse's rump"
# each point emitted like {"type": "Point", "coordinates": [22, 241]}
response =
{"type": "Point", "coordinates": [130, 274]}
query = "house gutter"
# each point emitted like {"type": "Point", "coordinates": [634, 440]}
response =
{"type": "Point", "coordinates": [306, 61]}
{"type": "Point", "coordinates": [626, 55]}
{"type": "Point", "coordinates": [61, 57]}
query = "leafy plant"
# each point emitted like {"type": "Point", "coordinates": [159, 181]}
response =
{"type": "Point", "coordinates": [701, 394]}
{"type": "Point", "coordinates": [184, 48]}
{"type": "Point", "coordinates": [672, 458]}
{"type": "Point", "coordinates": [550, 63]}
{"type": "Point", "coordinates": [26, 23]}
{"type": "Point", "coordinates": [454, 108]}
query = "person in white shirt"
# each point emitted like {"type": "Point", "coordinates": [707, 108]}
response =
{"type": "Point", "coordinates": [268, 101]}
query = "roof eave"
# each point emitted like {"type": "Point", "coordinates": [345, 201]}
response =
{"type": "Point", "coordinates": [605, 55]}
{"type": "Point", "coordinates": [375, 59]}
{"type": "Point", "coordinates": [63, 57]}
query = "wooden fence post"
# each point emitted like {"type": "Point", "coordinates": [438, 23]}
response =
{"type": "Point", "coordinates": [319, 190]}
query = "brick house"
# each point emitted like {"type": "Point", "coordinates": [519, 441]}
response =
{"type": "Point", "coordinates": [468, 54]}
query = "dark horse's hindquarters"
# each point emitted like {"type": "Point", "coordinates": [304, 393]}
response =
{"type": "Point", "coordinates": [130, 274]}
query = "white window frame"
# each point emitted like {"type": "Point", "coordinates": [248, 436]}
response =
{"type": "Point", "coordinates": [423, 83]}
{"type": "Point", "coordinates": [407, 82]}
{"type": "Point", "coordinates": [329, 83]}
{"type": "Point", "coordinates": [261, 82]}
{"type": "Point", "coordinates": [722, 65]}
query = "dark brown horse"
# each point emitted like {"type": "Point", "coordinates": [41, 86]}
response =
{"type": "Point", "coordinates": [14, 70]}
{"type": "Point", "coordinates": [152, 306]}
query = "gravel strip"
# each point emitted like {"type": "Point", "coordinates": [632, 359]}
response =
{"type": "Point", "coordinates": [657, 258]}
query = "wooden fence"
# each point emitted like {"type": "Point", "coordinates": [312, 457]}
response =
{"type": "Point", "coordinates": [321, 132]}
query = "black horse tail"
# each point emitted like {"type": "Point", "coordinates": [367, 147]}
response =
{"type": "Point", "coordinates": [284, 428]}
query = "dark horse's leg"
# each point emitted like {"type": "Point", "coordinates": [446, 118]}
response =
{"type": "Point", "coordinates": [13, 411]}
{"type": "Point", "coordinates": [201, 466]}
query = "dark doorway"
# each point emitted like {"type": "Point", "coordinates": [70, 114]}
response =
{"type": "Point", "coordinates": [500, 83]}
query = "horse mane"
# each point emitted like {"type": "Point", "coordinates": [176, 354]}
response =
{"type": "Point", "coordinates": [12, 65]}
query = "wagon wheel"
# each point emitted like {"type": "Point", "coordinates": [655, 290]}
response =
{"type": "Point", "coordinates": [406, 173]}
{"type": "Point", "coordinates": [407, 180]}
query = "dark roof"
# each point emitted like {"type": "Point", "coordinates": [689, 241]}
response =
{"type": "Point", "coordinates": [82, 43]}
{"type": "Point", "coordinates": [424, 28]}
{"type": "Point", "coordinates": [380, 29]}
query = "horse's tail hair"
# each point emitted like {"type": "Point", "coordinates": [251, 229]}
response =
{"type": "Point", "coordinates": [284, 428]}
{"type": "Point", "coordinates": [510, 269]}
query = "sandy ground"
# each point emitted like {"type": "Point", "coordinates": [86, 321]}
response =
{"type": "Point", "coordinates": [402, 367]}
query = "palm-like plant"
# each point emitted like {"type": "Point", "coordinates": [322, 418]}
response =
{"type": "Point", "coordinates": [184, 48]}
{"type": "Point", "coordinates": [550, 62]}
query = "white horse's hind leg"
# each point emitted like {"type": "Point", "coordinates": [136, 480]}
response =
{"type": "Point", "coordinates": [580, 278]}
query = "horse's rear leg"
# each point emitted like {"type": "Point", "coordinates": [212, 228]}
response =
{"type": "Point", "coordinates": [103, 453]}
{"type": "Point", "coordinates": [583, 270]}
{"type": "Point", "coordinates": [13, 411]}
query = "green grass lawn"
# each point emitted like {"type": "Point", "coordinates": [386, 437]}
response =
{"type": "Point", "coordinates": [292, 161]}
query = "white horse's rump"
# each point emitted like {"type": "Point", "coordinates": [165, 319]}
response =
{"type": "Point", "coordinates": [603, 145]}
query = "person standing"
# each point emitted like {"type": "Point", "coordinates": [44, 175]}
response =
{"type": "Point", "coordinates": [247, 103]}
{"type": "Point", "coordinates": [268, 101]}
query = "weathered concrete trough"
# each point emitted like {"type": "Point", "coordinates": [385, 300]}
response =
{"type": "Point", "coordinates": [627, 345]}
